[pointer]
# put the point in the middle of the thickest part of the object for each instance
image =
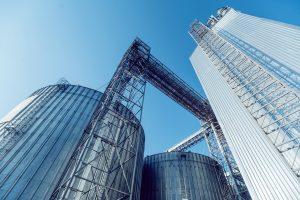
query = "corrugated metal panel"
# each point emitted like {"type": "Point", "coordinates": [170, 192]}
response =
{"type": "Point", "coordinates": [117, 142]}
{"type": "Point", "coordinates": [17, 109]}
{"type": "Point", "coordinates": [265, 172]}
{"type": "Point", "coordinates": [179, 175]}
{"type": "Point", "coordinates": [278, 40]}
{"type": "Point", "coordinates": [32, 168]}
{"type": "Point", "coordinates": [274, 45]}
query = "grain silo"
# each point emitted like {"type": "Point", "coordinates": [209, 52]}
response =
{"type": "Point", "coordinates": [39, 137]}
{"type": "Point", "coordinates": [181, 176]}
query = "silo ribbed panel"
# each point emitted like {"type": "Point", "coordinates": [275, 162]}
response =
{"type": "Point", "coordinates": [274, 45]}
{"type": "Point", "coordinates": [181, 175]}
{"type": "Point", "coordinates": [264, 170]}
{"type": "Point", "coordinates": [55, 119]}
{"type": "Point", "coordinates": [278, 40]}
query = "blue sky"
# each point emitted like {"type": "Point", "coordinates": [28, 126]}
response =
{"type": "Point", "coordinates": [83, 41]}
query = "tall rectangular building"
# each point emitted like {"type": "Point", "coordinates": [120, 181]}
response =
{"type": "Point", "coordinates": [249, 69]}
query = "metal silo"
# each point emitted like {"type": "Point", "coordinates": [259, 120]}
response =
{"type": "Point", "coordinates": [100, 177]}
{"type": "Point", "coordinates": [181, 176]}
{"type": "Point", "coordinates": [39, 137]}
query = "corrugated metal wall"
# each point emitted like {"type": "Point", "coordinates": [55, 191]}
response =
{"type": "Point", "coordinates": [264, 170]}
{"type": "Point", "coordinates": [274, 45]}
{"type": "Point", "coordinates": [39, 137]}
{"type": "Point", "coordinates": [42, 137]}
{"type": "Point", "coordinates": [111, 166]}
{"type": "Point", "coordinates": [180, 176]}
{"type": "Point", "coordinates": [103, 179]}
{"type": "Point", "coordinates": [283, 39]}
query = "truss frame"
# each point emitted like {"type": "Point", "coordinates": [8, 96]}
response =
{"type": "Point", "coordinates": [99, 160]}
{"type": "Point", "coordinates": [137, 64]}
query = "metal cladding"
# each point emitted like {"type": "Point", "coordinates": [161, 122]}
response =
{"type": "Point", "coordinates": [100, 177]}
{"type": "Point", "coordinates": [181, 175]}
{"type": "Point", "coordinates": [273, 45]}
{"type": "Point", "coordinates": [38, 138]}
{"type": "Point", "coordinates": [253, 88]}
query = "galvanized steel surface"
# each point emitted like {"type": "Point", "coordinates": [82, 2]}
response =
{"type": "Point", "coordinates": [253, 64]}
{"type": "Point", "coordinates": [37, 151]}
{"type": "Point", "coordinates": [180, 175]}
{"type": "Point", "coordinates": [264, 170]}
{"type": "Point", "coordinates": [36, 157]}
{"type": "Point", "coordinates": [273, 44]}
